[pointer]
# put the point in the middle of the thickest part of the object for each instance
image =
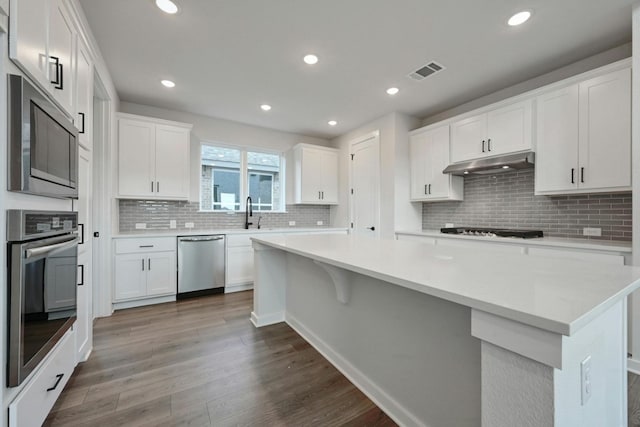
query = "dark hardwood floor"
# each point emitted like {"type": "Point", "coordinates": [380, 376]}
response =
{"type": "Point", "coordinates": [200, 362]}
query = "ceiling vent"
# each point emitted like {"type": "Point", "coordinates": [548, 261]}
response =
{"type": "Point", "coordinates": [427, 70]}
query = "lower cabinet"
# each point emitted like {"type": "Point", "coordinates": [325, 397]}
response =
{"type": "Point", "coordinates": [144, 267]}
{"type": "Point", "coordinates": [33, 403]}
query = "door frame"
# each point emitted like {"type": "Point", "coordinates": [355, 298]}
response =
{"type": "Point", "coordinates": [363, 138]}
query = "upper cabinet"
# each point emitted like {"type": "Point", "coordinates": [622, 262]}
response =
{"type": "Point", "coordinates": [42, 42]}
{"type": "Point", "coordinates": [153, 158]}
{"type": "Point", "coordinates": [315, 175]}
{"type": "Point", "coordinates": [584, 136]}
{"type": "Point", "coordinates": [84, 97]}
{"type": "Point", "coordinates": [503, 130]}
{"type": "Point", "coordinates": [429, 154]}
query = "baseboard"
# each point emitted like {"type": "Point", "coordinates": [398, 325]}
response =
{"type": "Point", "coordinates": [633, 365]}
{"type": "Point", "coordinates": [239, 288]}
{"type": "Point", "coordinates": [143, 302]}
{"type": "Point", "coordinates": [390, 406]}
{"type": "Point", "coordinates": [86, 355]}
{"type": "Point", "coordinates": [266, 320]}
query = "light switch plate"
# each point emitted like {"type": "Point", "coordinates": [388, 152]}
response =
{"type": "Point", "coordinates": [597, 232]}
{"type": "Point", "coordinates": [141, 225]}
{"type": "Point", "coordinates": [188, 225]}
{"type": "Point", "coordinates": [448, 225]}
{"type": "Point", "coordinates": [319, 222]}
{"type": "Point", "coordinates": [292, 223]}
{"type": "Point", "coordinates": [172, 223]}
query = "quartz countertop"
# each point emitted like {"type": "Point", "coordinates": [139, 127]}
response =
{"type": "Point", "coordinates": [175, 232]}
{"type": "Point", "coordinates": [554, 294]}
{"type": "Point", "coordinates": [599, 245]}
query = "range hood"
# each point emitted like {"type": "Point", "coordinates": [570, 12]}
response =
{"type": "Point", "coordinates": [504, 163]}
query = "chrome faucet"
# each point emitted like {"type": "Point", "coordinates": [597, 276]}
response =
{"type": "Point", "coordinates": [248, 211]}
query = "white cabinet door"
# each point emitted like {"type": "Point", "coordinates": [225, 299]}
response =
{"type": "Point", "coordinates": [557, 141]}
{"type": "Point", "coordinates": [172, 162]}
{"type": "Point", "coordinates": [59, 271]}
{"type": "Point", "coordinates": [468, 138]}
{"type": "Point", "coordinates": [61, 55]}
{"type": "Point", "coordinates": [136, 158]}
{"type": "Point", "coordinates": [84, 324]}
{"type": "Point", "coordinates": [239, 265]}
{"type": "Point", "coordinates": [130, 276]}
{"type": "Point", "coordinates": [419, 165]}
{"type": "Point", "coordinates": [605, 131]}
{"type": "Point", "coordinates": [509, 129]}
{"type": "Point", "coordinates": [311, 175]}
{"type": "Point", "coordinates": [28, 37]}
{"type": "Point", "coordinates": [84, 199]}
{"type": "Point", "coordinates": [329, 177]}
{"type": "Point", "coordinates": [161, 273]}
{"type": "Point", "coordinates": [84, 97]}
{"type": "Point", "coordinates": [437, 159]}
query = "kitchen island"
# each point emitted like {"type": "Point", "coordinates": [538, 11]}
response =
{"type": "Point", "coordinates": [446, 336]}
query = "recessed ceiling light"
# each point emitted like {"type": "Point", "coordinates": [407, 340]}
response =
{"type": "Point", "coordinates": [332, 122]}
{"type": "Point", "coordinates": [519, 18]}
{"type": "Point", "coordinates": [167, 6]}
{"type": "Point", "coordinates": [466, 172]}
{"type": "Point", "coordinates": [168, 83]}
{"type": "Point", "coordinates": [505, 167]}
{"type": "Point", "coordinates": [311, 59]}
{"type": "Point", "coordinates": [393, 90]}
{"type": "Point", "coordinates": [265, 107]}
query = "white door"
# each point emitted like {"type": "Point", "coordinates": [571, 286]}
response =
{"type": "Point", "coordinates": [85, 289]}
{"type": "Point", "coordinates": [509, 129]}
{"type": "Point", "coordinates": [557, 140]}
{"type": "Point", "coordinates": [136, 158]}
{"type": "Point", "coordinates": [61, 48]}
{"type": "Point", "coordinates": [365, 185]}
{"type": "Point", "coordinates": [468, 138]}
{"type": "Point", "coordinates": [605, 131]}
{"type": "Point", "coordinates": [329, 177]}
{"type": "Point", "coordinates": [172, 162]}
{"type": "Point", "coordinates": [239, 265]}
{"type": "Point", "coordinates": [438, 158]}
{"type": "Point", "coordinates": [161, 273]}
{"type": "Point", "coordinates": [130, 276]}
{"type": "Point", "coordinates": [84, 324]}
{"type": "Point", "coordinates": [311, 175]}
{"type": "Point", "coordinates": [84, 99]}
{"type": "Point", "coordinates": [418, 146]}
{"type": "Point", "coordinates": [28, 37]}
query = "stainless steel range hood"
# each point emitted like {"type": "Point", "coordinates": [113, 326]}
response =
{"type": "Point", "coordinates": [504, 163]}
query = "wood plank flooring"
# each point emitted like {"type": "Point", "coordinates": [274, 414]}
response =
{"type": "Point", "coordinates": [200, 362]}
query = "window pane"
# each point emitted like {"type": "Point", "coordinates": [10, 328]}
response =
{"type": "Point", "coordinates": [220, 183]}
{"type": "Point", "coordinates": [263, 176]}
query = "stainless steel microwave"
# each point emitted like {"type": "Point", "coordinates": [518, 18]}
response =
{"type": "Point", "coordinates": [43, 144]}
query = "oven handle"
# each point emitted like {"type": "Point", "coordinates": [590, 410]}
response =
{"type": "Point", "coordinates": [45, 249]}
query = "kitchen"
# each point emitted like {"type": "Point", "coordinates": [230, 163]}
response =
{"type": "Point", "coordinates": [158, 162]}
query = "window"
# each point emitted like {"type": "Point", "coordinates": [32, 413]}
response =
{"type": "Point", "coordinates": [230, 175]}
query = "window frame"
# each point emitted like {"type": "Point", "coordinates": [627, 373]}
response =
{"type": "Point", "coordinates": [244, 178]}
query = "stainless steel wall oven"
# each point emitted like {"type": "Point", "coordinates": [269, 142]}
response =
{"type": "Point", "coordinates": [42, 261]}
{"type": "Point", "coordinates": [43, 144]}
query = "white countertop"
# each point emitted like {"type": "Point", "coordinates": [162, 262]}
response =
{"type": "Point", "coordinates": [558, 295]}
{"type": "Point", "coordinates": [597, 245]}
{"type": "Point", "coordinates": [175, 233]}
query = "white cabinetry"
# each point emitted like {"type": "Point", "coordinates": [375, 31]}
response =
{"type": "Point", "coordinates": [315, 172]}
{"type": "Point", "coordinates": [499, 131]}
{"type": "Point", "coordinates": [584, 136]}
{"type": "Point", "coordinates": [84, 96]}
{"type": "Point", "coordinates": [429, 153]}
{"type": "Point", "coordinates": [42, 42]}
{"type": "Point", "coordinates": [144, 267]}
{"type": "Point", "coordinates": [153, 158]}
{"type": "Point", "coordinates": [84, 324]}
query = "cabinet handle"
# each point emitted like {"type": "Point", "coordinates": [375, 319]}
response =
{"type": "Point", "coordinates": [59, 378]}
{"type": "Point", "coordinates": [60, 85]}
{"type": "Point", "coordinates": [582, 175]}
{"type": "Point", "coordinates": [145, 246]}
{"type": "Point", "coordinates": [483, 145]}
{"type": "Point", "coordinates": [429, 188]}
{"type": "Point", "coordinates": [425, 189]}
{"type": "Point", "coordinates": [152, 186]}
{"type": "Point", "coordinates": [82, 122]}
{"type": "Point", "coordinates": [489, 144]}
{"type": "Point", "coordinates": [572, 172]}
{"type": "Point", "coordinates": [157, 186]}
{"type": "Point", "coordinates": [142, 264]}
{"type": "Point", "coordinates": [149, 264]}
{"type": "Point", "coordinates": [81, 226]}
{"type": "Point", "coordinates": [81, 267]}
{"type": "Point", "coordinates": [56, 61]}
{"type": "Point", "coordinates": [318, 195]}
{"type": "Point", "coordinates": [322, 195]}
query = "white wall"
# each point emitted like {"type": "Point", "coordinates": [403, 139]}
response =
{"type": "Point", "coordinates": [227, 132]}
{"type": "Point", "coordinates": [634, 299]}
{"type": "Point", "coordinates": [395, 209]}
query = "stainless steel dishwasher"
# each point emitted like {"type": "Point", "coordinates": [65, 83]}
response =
{"type": "Point", "coordinates": [200, 265]}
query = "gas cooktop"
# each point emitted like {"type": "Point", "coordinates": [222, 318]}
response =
{"type": "Point", "coordinates": [492, 232]}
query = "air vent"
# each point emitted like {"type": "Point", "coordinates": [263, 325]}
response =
{"type": "Point", "coordinates": [427, 70]}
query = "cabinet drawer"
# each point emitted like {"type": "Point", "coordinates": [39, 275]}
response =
{"type": "Point", "coordinates": [32, 405]}
{"type": "Point", "coordinates": [235, 240]}
{"type": "Point", "coordinates": [145, 244]}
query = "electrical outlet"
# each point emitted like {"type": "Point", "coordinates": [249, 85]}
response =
{"type": "Point", "coordinates": [319, 222]}
{"type": "Point", "coordinates": [141, 225]}
{"type": "Point", "coordinates": [592, 231]}
{"type": "Point", "coordinates": [448, 225]}
{"type": "Point", "coordinates": [188, 225]}
{"type": "Point", "coordinates": [292, 223]}
{"type": "Point", "coordinates": [172, 223]}
{"type": "Point", "coordinates": [585, 375]}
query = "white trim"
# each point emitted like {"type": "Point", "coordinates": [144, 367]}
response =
{"type": "Point", "coordinates": [127, 116]}
{"type": "Point", "coordinates": [238, 288]}
{"type": "Point", "coordinates": [267, 319]}
{"type": "Point", "coordinates": [143, 302]}
{"type": "Point", "coordinates": [390, 406]}
{"type": "Point", "coordinates": [633, 366]}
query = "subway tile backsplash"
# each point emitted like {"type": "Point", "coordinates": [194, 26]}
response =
{"type": "Point", "coordinates": [156, 214]}
{"type": "Point", "coordinates": [507, 200]}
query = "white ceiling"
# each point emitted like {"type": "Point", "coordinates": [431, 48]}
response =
{"type": "Point", "coordinates": [229, 56]}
